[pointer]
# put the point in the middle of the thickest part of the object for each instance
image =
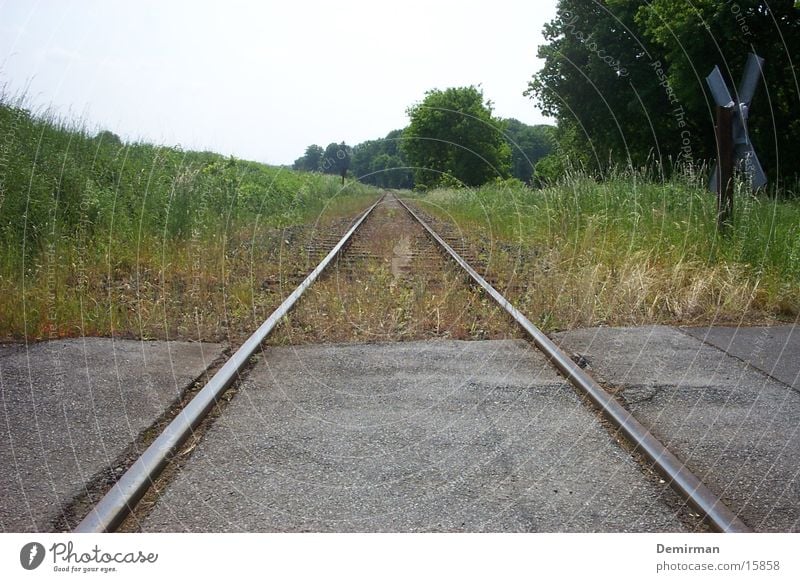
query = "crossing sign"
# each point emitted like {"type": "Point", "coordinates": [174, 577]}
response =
{"type": "Point", "coordinates": [735, 150]}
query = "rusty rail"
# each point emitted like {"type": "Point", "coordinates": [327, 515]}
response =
{"type": "Point", "coordinates": [686, 483]}
{"type": "Point", "coordinates": [134, 483]}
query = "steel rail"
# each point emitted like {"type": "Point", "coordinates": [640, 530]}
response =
{"type": "Point", "coordinates": [686, 483]}
{"type": "Point", "coordinates": [134, 483]}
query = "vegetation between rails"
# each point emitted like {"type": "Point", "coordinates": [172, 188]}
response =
{"type": "Point", "coordinates": [99, 237]}
{"type": "Point", "coordinates": [393, 285]}
{"type": "Point", "coordinates": [629, 251]}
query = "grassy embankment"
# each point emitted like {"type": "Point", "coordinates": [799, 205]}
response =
{"type": "Point", "coordinates": [98, 237]}
{"type": "Point", "coordinates": [630, 251]}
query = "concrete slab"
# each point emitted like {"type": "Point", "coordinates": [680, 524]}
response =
{"type": "Point", "coordinates": [773, 350]}
{"type": "Point", "coordinates": [417, 436]}
{"type": "Point", "coordinates": [735, 427]}
{"type": "Point", "coordinates": [69, 409]}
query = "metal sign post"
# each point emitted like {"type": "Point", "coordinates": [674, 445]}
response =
{"type": "Point", "coordinates": [724, 169]}
{"type": "Point", "coordinates": [735, 153]}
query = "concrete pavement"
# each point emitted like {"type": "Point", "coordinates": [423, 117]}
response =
{"type": "Point", "coordinates": [773, 350]}
{"type": "Point", "coordinates": [71, 407]}
{"type": "Point", "coordinates": [420, 436]}
{"type": "Point", "coordinates": [734, 425]}
{"type": "Point", "coordinates": [409, 437]}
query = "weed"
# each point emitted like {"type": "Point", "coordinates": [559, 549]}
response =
{"type": "Point", "coordinates": [99, 237]}
{"type": "Point", "coordinates": [631, 250]}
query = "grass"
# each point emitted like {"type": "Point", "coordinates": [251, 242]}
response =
{"type": "Point", "coordinates": [370, 307]}
{"type": "Point", "coordinates": [631, 251]}
{"type": "Point", "coordinates": [367, 297]}
{"type": "Point", "coordinates": [100, 237]}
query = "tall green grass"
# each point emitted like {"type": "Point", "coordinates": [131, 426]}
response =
{"type": "Point", "coordinates": [98, 236]}
{"type": "Point", "coordinates": [633, 250]}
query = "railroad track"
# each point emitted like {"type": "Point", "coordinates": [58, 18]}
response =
{"type": "Point", "coordinates": [399, 240]}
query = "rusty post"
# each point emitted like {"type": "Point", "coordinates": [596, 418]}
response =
{"type": "Point", "coordinates": [724, 136]}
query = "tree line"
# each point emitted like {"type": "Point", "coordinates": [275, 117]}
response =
{"type": "Point", "coordinates": [625, 80]}
{"type": "Point", "coordinates": [452, 139]}
{"type": "Point", "coordinates": [334, 159]}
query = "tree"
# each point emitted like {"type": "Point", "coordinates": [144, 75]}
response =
{"type": "Point", "coordinates": [336, 159]}
{"type": "Point", "coordinates": [311, 161]}
{"type": "Point", "coordinates": [453, 136]}
{"type": "Point", "coordinates": [529, 144]}
{"type": "Point", "coordinates": [626, 80]}
{"type": "Point", "coordinates": [108, 138]}
{"type": "Point", "coordinates": [381, 162]}
{"type": "Point", "coordinates": [343, 156]}
{"type": "Point", "coordinates": [693, 37]}
{"type": "Point", "coordinates": [597, 83]}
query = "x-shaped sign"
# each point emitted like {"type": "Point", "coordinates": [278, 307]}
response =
{"type": "Point", "coordinates": [744, 155]}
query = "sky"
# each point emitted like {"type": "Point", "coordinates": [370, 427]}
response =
{"type": "Point", "coordinates": [263, 80]}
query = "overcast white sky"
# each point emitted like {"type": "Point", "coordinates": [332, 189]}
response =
{"type": "Point", "coordinates": [262, 80]}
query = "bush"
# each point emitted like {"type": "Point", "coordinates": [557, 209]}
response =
{"type": "Point", "coordinates": [549, 170]}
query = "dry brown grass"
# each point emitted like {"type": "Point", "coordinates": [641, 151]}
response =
{"type": "Point", "coordinates": [562, 293]}
{"type": "Point", "coordinates": [364, 299]}
{"type": "Point", "coordinates": [217, 289]}
{"type": "Point", "coordinates": [370, 306]}
{"type": "Point", "coordinates": [564, 278]}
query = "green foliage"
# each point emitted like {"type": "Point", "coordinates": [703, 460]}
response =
{"type": "Point", "coordinates": [108, 138]}
{"type": "Point", "coordinates": [655, 240]}
{"type": "Point", "coordinates": [674, 220]}
{"type": "Point", "coordinates": [59, 186]}
{"type": "Point", "coordinates": [550, 169]}
{"type": "Point", "coordinates": [336, 159]}
{"type": "Point", "coordinates": [529, 144]}
{"type": "Point", "coordinates": [706, 33]}
{"type": "Point", "coordinates": [625, 80]}
{"type": "Point", "coordinates": [452, 134]}
{"type": "Point", "coordinates": [507, 184]}
{"type": "Point", "coordinates": [101, 237]}
{"type": "Point", "coordinates": [311, 161]}
{"type": "Point", "coordinates": [382, 162]}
